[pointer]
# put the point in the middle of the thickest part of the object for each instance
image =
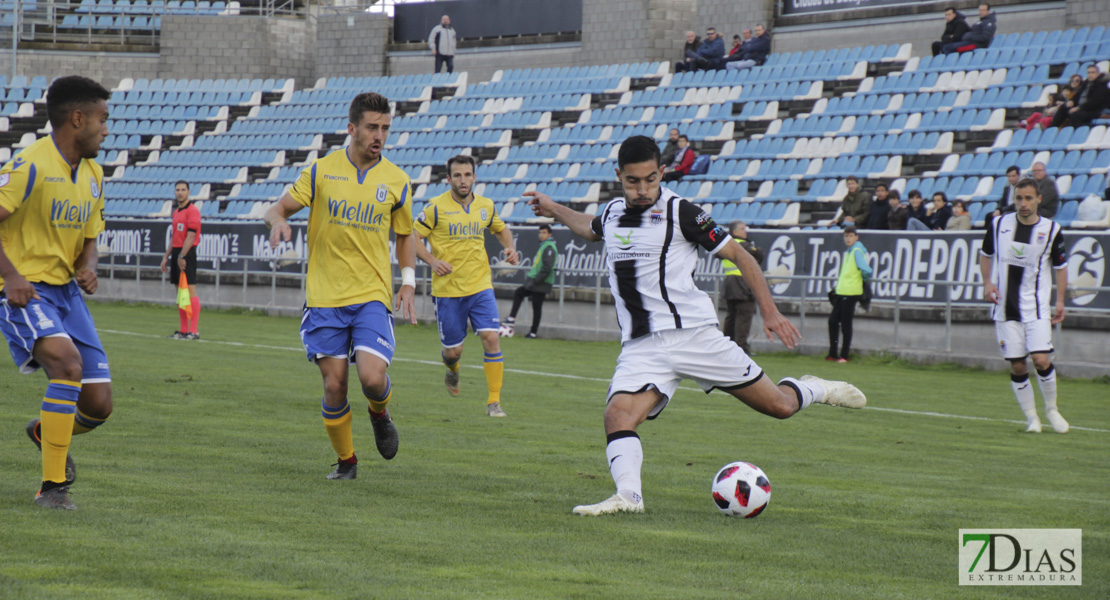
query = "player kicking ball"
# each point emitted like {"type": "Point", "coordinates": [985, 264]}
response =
{"type": "Point", "coordinates": [668, 326]}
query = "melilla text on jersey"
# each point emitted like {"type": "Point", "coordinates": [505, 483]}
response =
{"type": "Point", "coordinates": [365, 215]}
{"type": "Point", "coordinates": [472, 229]}
{"type": "Point", "coordinates": [69, 215]}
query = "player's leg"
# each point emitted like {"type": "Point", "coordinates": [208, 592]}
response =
{"type": "Point", "coordinates": [451, 322]}
{"type": "Point", "coordinates": [1011, 340]}
{"type": "Point", "coordinates": [483, 318]}
{"type": "Point", "coordinates": [59, 357]}
{"type": "Point", "coordinates": [624, 413]}
{"type": "Point", "coordinates": [373, 348]}
{"type": "Point", "coordinates": [834, 329]}
{"type": "Point", "coordinates": [326, 335]}
{"type": "Point", "coordinates": [95, 403]}
{"type": "Point", "coordinates": [175, 279]}
{"type": "Point", "coordinates": [194, 300]}
{"type": "Point", "coordinates": [537, 313]}
{"type": "Point", "coordinates": [847, 315]}
{"type": "Point", "coordinates": [1039, 341]}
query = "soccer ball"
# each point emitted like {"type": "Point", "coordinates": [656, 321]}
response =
{"type": "Point", "coordinates": [506, 330]}
{"type": "Point", "coordinates": [741, 489]}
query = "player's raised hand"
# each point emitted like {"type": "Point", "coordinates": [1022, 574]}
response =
{"type": "Point", "coordinates": [280, 232]}
{"type": "Point", "coordinates": [990, 292]}
{"type": "Point", "coordinates": [405, 303]}
{"type": "Point", "coordinates": [18, 291]}
{"type": "Point", "coordinates": [779, 325]}
{"type": "Point", "coordinates": [542, 204]}
{"type": "Point", "coordinates": [87, 280]}
{"type": "Point", "coordinates": [512, 256]}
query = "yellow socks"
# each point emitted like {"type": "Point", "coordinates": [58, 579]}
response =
{"type": "Point", "coordinates": [57, 411]}
{"type": "Point", "coordinates": [494, 366]}
{"type": "Point", "coordinates": [338, 423]}
{"type": "Point", "coordinates": [83, 423]}
{"type": "Point", "coordinates": [378, 404]}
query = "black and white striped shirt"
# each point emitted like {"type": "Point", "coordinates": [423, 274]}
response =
{"type": "Point", "coordinates": [651, 255]}
{"type": "Point", "coordinates": [1024, 258]}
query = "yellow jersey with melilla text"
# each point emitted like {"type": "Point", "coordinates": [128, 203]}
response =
{"type": "Point", "coordinates": [54, 209]}
{"type": "Point", "coordinates": [457, 235]}
{"type": "Point", "coordinates": [351, 213]}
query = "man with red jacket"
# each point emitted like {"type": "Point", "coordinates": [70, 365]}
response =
{"type": "Point", "coordinates": [683, 160]}
{"type": "Point", "coordinates": [181, 257]}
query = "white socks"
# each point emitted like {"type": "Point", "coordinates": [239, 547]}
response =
{"type": "Point", "coordinates": [808, 393]}
{"type": "Point", "coordinates": [1046, 380]}
{"type": "Point", "coordinates": [1024, 392]}
{"type": "Point", "coordinates": [625, 456]}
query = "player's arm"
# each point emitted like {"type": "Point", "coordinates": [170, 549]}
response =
{"type": "Point", "coordinates": [773, 321]}
{"type": "Point", "coordinates": [277, 216]}
{"type": "Point", "coordinates": [17, 289]}
{"type": "Point", "coordinates": [85, 266]}
{"type": "Point", "coordinates": [169, 250]}
{"type": "Point", "coordinates": [505, 236]}
{"type": "Point", "coordinates": [1059, 260]}
{"type": "Point", "coordinates": [580, 223]}
{"type": "Point", "coordinates": [439, 267]}
{"type": "Point", "coordinates": [406, 259]}
{"type": "Point", "coordinates": [986, 264]}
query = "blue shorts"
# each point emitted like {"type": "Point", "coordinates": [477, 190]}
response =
{"type": "Point", "coordinates": [452, 313]}
{"type": "Point", "coordinates": [341, 331]}
{"type": "Point", "coordinates": [60, 313]}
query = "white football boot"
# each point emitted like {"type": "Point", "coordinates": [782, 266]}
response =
{"type": "Point", "coordinates": [615, 504]}
{"type": "Point", "coordinates": [838, 393]}
{"type": "Point", "coordinates": [1059, 425]}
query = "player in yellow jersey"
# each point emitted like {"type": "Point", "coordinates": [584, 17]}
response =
{"type": "Point", "coordinates": [51, 210]}
{"type": "Point", "coordinates": [354, 196]}
{"type": "Point", "coordinates": [455, 223]}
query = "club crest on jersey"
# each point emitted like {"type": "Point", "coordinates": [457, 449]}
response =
{"type": "Point", "coordinates": [656, 217]}
{"type": "Point", "coordinates": [1041, 237]}
{"type": "Point", "coordinates": [484, 214]}
{"type": "Point", "coordinates": [383, 192]}
{"type": "Point", "coordinates": [94, 187]}
{"type": "Point", "coordinates": [4, 179]}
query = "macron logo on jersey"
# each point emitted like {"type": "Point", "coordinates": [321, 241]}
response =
{"type": "Point", "coordinates": [355, 212]}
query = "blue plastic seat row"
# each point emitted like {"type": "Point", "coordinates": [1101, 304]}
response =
{"type": "Point", "coordinates": [516, 120]}
{"type": "Point", "coordinates": [666, 115]}
{"type": "Point", "coordinates": [105, 22]}
{"type": "Point", "coordinates": [122, 142]}
{"type": "Point", "coordinates": [1056, 37]}
{"type": "Point", "coordinates": [858, 53]}
{"type": "Point", "coordinates": [195, 98]}
{"type": "Point", "coordinates": [660, 96]}
{"type": "Point", "coordinates": [164, 112]}
{"type": "Point", "coordinates": [753, 213]}
{"type": "Point", "coordinates": [228, 141]}
{"type": "Point", "coordinates": [621, 70]}
{"type": "Point", "coordinates": [496, 171]}
{"type": "Point", "coordinates": [532, 87]}
{"type": "Point", "coordinates": [16, 94]}
{"type": "Point", "coordinates": [422, 156]}
{"type": "Point", "coordinates": [142, 7]}
{"type": "Point", "coordinates": [1048, 139]}
{"type": "Point", "coordinates": [596, 171]}
{"type": "Point", "coordinates": [552, 102]}
{"type": "Point", "coordinates": [541, 172]}
{"type": "Point", "coordinates": [158, 174]}
{"type": "Point", "coordinates": [905, 143]}
{"type": "Point", "coordinates": [721, 170]}
{"type": "Point", "coordinates": [330, 95]}
{"type": "Point", "coordinates": [145, 127]}
{"type": "Point", "coordinates": [787, 73]}
{"type": "Point", "coordinates": [206, 158]}
{"type": "Point", "coordinates": [455, 106]}
{"type": "Point", "coordinates": [132, 208]}
{"type": "Point", "coordinates": [266, 190]}
{"type": "Point", "coordinates": [115, 190]}
{"type": "Point", "coordinates": [373, 83]}
{"type": "Point", "coordinates": [481, 137]}
{"type": "Point", "coordinates": [955, 120]}
{"type": "Point", "coordinates": [283, 126]}
{"type": "Point", "coordinates": [208, 85]}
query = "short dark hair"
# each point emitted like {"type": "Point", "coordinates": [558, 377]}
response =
{"type": "Point", "coordinates": [367, 102]}
{"type": "Point", "coordinates": [852, 178]}
{"type": "Point", "coordinates": [850, 229]}
{"type": "Point", "coordinates": [68, 93]}
{"type": "Point", "coordinates": [942, 195]}
{"type": "Point", "coordinates": [545, 227]}
{"type": "Point", "coordinates": [459, 159]}
{"type": "Point", "coordinates": [950, 8]}
{"type": "Point", "coordinates": [985, 4]}
{"type": "Point", "coordinates": [637, 149]}
{"type": "Point", "coordinates": [683, 137]}
{"type": "Point", "coordinates": [1028, 182]}
{"type": "Point", "coordinates": [713, 29]}
{"type": "Point", "coordinates": [1013, 169]}
{"type": "Point", "coordinates": [914, 194]}
{"type": "Point", "coordinates": [882, 185]}
{"type": "Point", "coordinates": [893, 193]}
{"type": "Point", "coordinates": [733, 225]}
{"type": "Point", "coordinates": [961, 204]}
{"type": "Point", "coordinates": [181, 182]}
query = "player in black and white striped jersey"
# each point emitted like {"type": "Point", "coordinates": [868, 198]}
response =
{"type": "Point", "coordinates": [1020, 252]}
{"type": "Point", "coordinates": [669, 326]}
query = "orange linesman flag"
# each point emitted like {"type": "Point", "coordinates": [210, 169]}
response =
{"type": "Point", "coordinates": [183, 300]}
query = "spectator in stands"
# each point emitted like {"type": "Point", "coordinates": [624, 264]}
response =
{"type": "Point", "coordinates": [915, 212]}
{"type": "Point", "coordinates": [954, 29]}
{"type": "Point", "coordinates": [855, 272]}
{"type": "Point", "coordinates": [960, 221]}
{"type": "Point", "coordinates": [938, 212]}
{"type": "Point", "coordinates": [736, 45]}
{"type": "Point", "coordinates": [1093, 99]}
{"type": "Point", "coordinates": [880, 208]}
{"type": "Point", "coordinates": [981, 34]}
{"type": "Point", "coordinates": [1046, 187]}
{"type": "Point", "coordinates": [1063, 99]}
{"type": "Point", "coordinates": [667, 156]}
{"type": "Point", "coordinates": [708, 54]}
{"type": "Point", "coordinates": [442, 43]}
{"type": "Point", "coordinates": [754, 53]}
{"type": "Point", "coordinates": [1006, 202]}
{"type": "Point", "coordinates": [683, 160]}
{"type": "Point", "coordinates": [693, 42]}
{"type": "Point", "coordinates": [856, 206]}
{"type": "Point", "coordinates": [896, 218]}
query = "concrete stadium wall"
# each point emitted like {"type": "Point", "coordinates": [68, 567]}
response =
{"type": "Point", "coordinates": [106, 67]}
{"type": "Point", "coordinates": [219, 47]}
{"type": "Point", "coordinates": [1086, 13]}
{"type": "Point", "coordinates": [352, 45]}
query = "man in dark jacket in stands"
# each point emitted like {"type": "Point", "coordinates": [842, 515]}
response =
{"type": "Point", "coordinates": [855, 209]}
{"type": "Point", "coordinates": [880, 209]}
{"type": "Point", "coordinates": [981, 34]}
{"type": "Point", "coordinates": [711, 51]}
{"type": "Point", "coordinates": [1046, 187]}
{"type": "Point", "coordinates": [1093, 99]}
{"type": "Point", "coordinates": [753, 53]}
{"type": "Point", "coordinates": [954, 29]}
{"type": "Point", "coordinates": [693, 42]}
{"type": "Point", "coordinates": [667, 156]}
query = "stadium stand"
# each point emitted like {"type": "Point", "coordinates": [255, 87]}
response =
{"type": "Point", "coordinates": [781, 136]}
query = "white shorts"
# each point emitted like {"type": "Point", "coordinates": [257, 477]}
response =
{"type": "Point", "coordinates": [664, 358]}
{"type": "Point", "coordinates": [1018, 340]}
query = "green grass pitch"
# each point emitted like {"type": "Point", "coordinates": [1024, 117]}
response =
{"type": "Point", "coordinates": [208, 481]}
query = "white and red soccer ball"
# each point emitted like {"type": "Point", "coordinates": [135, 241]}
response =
{"type": "Point", "coordinates": [741, 489]}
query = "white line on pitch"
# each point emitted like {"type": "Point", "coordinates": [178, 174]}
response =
{"type": "Point", "coordinates": [922, 413]}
